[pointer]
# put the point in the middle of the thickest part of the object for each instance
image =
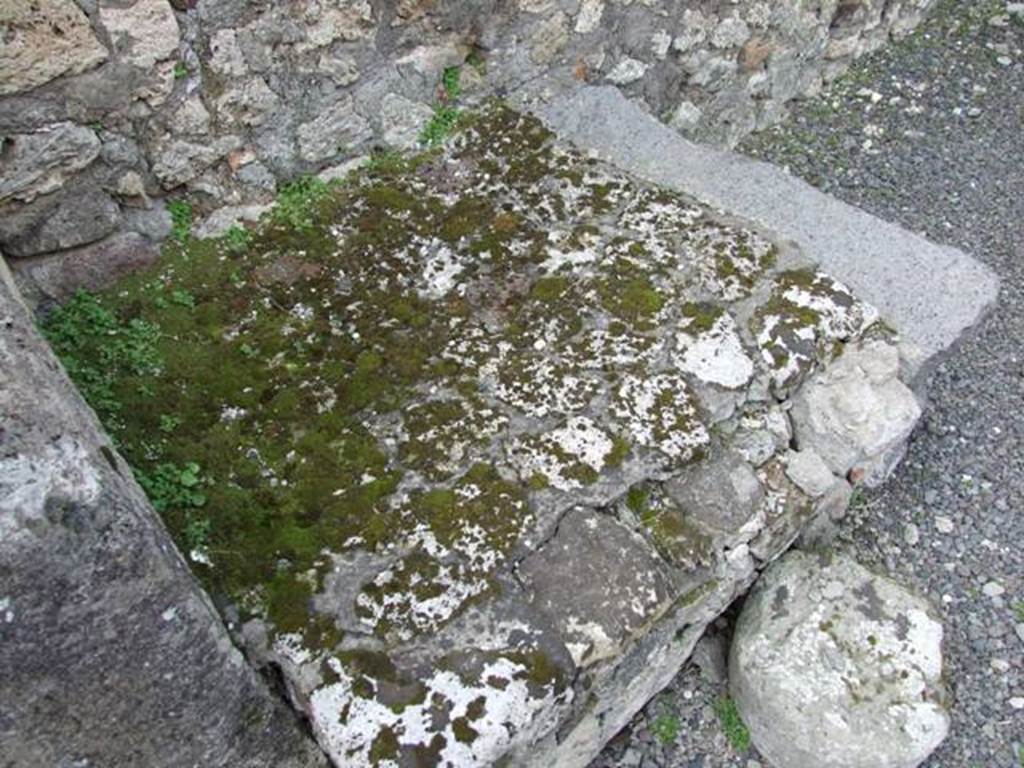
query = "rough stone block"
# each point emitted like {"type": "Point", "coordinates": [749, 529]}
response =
{"type": "Point", "coordinates": [858, 415]}
{"type": "Point", "coordinates": [56, 277]}
{"type": "Point", "coordinates": [40, 162]}
{"type": "Point", "coordinates": [44, 40]}
{"type": "Point", "coordinates": [77, 215]}
{"type": "Point", "coordinates": [143, 33]}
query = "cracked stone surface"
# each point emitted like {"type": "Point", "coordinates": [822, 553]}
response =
{"type": "Point", "coordinates": [477, 446]}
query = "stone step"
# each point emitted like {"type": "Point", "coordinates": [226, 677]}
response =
{"type": "Point", "coordinates": [932, 294]}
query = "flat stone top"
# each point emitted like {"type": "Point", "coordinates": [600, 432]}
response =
{"type": "Point", "coordinates": [930, 293]}
{"type": "Point", "coordinates": [411, 432]}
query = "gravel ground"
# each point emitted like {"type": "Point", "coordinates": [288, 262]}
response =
{"type": "Point", "coordinates": [928, 133]}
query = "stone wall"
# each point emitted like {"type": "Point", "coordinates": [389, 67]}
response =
{"type": "Point", "coordinates": [109, 109]}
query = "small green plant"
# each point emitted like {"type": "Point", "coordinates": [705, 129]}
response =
{"type": "Point", "coordinates": [172, 487]}
{"type": "Point", "coordinates": [450, 81]}
{"type": "Point", "coordinates": [180, 71]}
{"type": "Point", "coordinates": [857, 498]}
{"type": "Point", "coordinates": [736, 732]}
{"type": "Point", "coordinates": [169, 423]}
{"type": "Point", "coordinates": [98, 349]}
{"type": "Point", "coordinates": [183, 298]}
{"type": "Point", "coordinates": [237, 237]}
{"type": "Point", "coordinates": [636, 500]}
{"type": "Point", "coordinates": [446, 114]}
{"type": "Point", "coordinates": [440, 126]}
{"type": "Point", "coordinates": [666, 728]}
{"type": "Point", "coordinates": [181, 219]}
{"type": "Point", "coordinates": [386, 162]}
{"type": "Point", "coordinates": [296, 201]}
{"type": "Point", "coordinates": [197, 533]}
{"type": "Point", "coordinates": [1018, 610]}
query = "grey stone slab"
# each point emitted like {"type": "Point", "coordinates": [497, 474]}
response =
{"type": "Point", "coordinates": [930, 293]}
{"type": "Point", "coordinates": [111, 654]}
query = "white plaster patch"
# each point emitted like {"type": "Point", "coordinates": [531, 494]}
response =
{"type": "Point", "coordinates": [602, 349]}
{"type": "Point", "coordinates": [657, 213]}
{"type": "Point", "coordinates": [715, 355]}
{"type": "Point", "coordinates": [447, 432]}
{"type": "Point", "coordinates": [289, 646]}
{"type": "Point", "coordinates": [658, 412]}
{"type": "Point", "coordinates": [558, 455]}
{"type": "Point", "coordinates": [842, 316]}
{"type": "Point", "coordinates": [558, 260]}
{"type": "Point", "coordinates": [405, 609]}
{"type": "Point", "coordinates": [347, 724]}
{"type": "Point", "coordinates": [809, 312]}
{"type": "Point", "coordinates": [440, 273]}
{"type": "Point", "coordinates": [593, 641]}
{"type": "Point", "coordinates": [541, 387]}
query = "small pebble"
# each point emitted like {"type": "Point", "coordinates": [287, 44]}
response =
{"type": "Point", "coordinates": [1000, 665]}
{"type": "Point", "coordinates": [1017, 702]}
{"type": "Point", "coordinates": [993, 589]}
{"type": "Point", "coordinates": [943, 524]}
{"type": "Point", "coordinates": [910, 534]}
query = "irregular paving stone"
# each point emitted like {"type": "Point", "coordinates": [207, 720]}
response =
{"type": "Point", "coordinates": [37, 163]}
{"type": "Point", "coordinates": [722, 495]}
{"type": "Point", "coordinates": [857, 415]}
{"type": "Point", "coordinates": [598, 582]}
{"type": "Point", "coordinates": [832, 666]}
{"type": "Point", "coordinates": [431, 411]}
{"type": "Point", "coordinates": [43, 41]}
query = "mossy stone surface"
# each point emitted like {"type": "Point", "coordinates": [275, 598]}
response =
{"type": "Point", "coordinates": [359, 422]}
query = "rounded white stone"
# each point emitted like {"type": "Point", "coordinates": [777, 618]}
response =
{"type": "Point", "coordinates": [830, 677]}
